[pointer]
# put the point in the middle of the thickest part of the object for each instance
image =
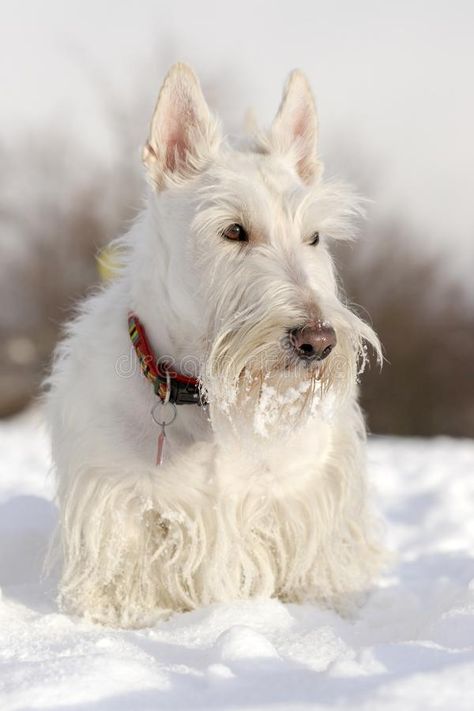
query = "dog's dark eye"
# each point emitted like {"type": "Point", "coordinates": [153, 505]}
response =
{"type": "Point", "coordinates": [314, 239]}
{"type": "Point", "coordinates": [236, 233]}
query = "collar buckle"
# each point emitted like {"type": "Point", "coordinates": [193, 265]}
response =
{"type": "Point", "coordinates": [178, 393]}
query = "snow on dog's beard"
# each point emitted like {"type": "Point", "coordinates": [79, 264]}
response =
{"type": "Point", "coordinates": [258, 387]}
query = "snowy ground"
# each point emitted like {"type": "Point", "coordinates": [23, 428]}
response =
{"type": "Point", "coordinates": [412, 646]}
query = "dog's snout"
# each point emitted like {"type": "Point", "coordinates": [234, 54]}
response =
{"type": "Point", "coordinates": [314, 341]}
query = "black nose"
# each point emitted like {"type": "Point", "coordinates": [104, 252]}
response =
{"type": "Point", "coordinates": [314, 341]}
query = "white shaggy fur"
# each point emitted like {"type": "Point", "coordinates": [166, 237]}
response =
{"type": "Point", "coordinates": [262, 492]}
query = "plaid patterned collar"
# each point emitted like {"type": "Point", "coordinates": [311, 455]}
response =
{"type": "Point", "coordinates": [168, 385]}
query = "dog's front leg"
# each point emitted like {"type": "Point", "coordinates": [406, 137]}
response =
{"type": "Point", "coordinates": [130, 550]}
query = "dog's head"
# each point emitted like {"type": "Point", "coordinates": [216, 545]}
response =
{"type": "Point", "coordinates": [248, 229]}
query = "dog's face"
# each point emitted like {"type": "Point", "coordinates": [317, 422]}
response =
{"type": "Point", "coordinates": [252, 237]}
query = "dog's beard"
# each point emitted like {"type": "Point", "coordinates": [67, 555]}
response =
{"type": "Point", "coordinates": [257, 386]}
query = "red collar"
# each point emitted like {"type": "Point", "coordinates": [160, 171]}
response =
{"type": "Point", "coordinates": [183, 389]}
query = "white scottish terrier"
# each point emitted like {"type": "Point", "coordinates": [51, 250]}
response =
{"type": "Point", "coordinates": [206, 434]}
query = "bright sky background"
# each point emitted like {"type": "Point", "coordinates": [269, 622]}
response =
{"type": "Point", "coordinates": [393, 81]}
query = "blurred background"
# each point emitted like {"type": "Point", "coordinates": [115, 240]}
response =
{"type": "Point", "coordinates": [394, 88]}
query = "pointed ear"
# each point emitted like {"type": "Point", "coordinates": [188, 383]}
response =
{"type": "Point", "coordinates": [295, 128]}
{"type": "Point", "coordinates": [183, 133]}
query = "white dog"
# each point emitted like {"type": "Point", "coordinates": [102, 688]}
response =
{"type": "Point", "coordinates": [225, 333]}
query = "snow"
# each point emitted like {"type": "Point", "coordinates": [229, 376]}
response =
{"type": "Point", "coordinates": [411, 646]}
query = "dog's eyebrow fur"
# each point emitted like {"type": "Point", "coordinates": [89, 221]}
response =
{"type": "Point", "coordinates": [271, 192]}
